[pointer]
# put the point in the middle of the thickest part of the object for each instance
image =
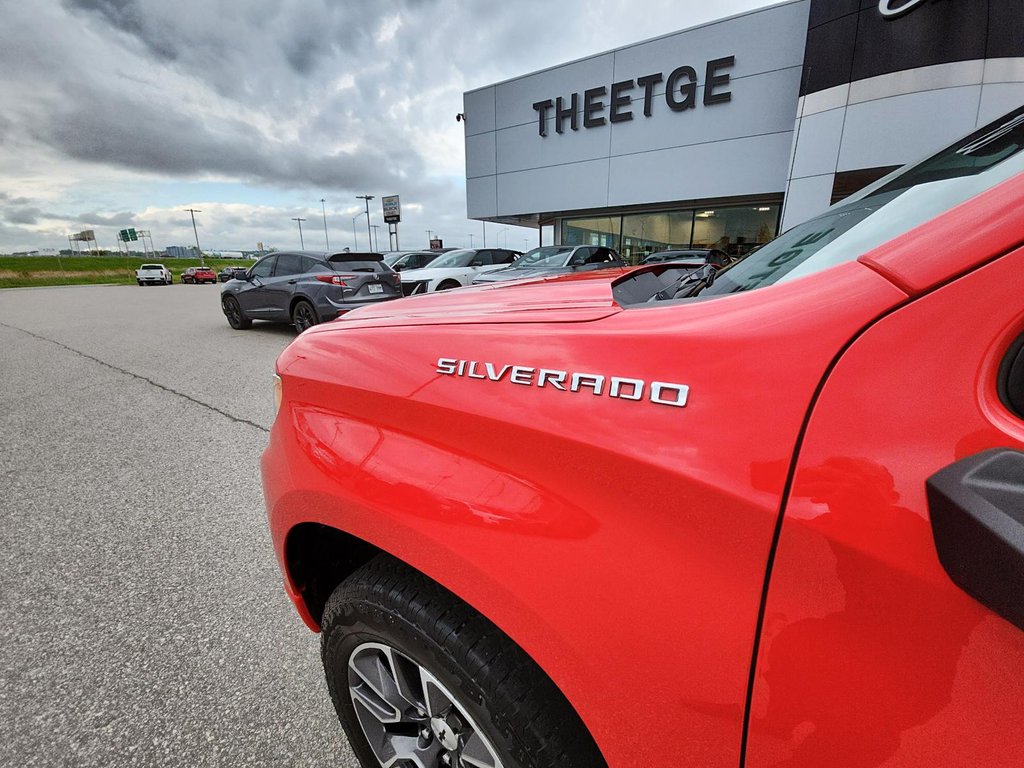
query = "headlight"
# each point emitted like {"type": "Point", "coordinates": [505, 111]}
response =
{"type": "Point", "coordinates": [277, 394]}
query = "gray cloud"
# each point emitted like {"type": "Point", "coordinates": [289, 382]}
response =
{"type": "Point", "coordinates": [96, 219]}
{"type": "Point", "coordinates": [22, 215]}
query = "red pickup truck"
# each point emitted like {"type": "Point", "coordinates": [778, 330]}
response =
{"type": "Point", "coordinates": [771, 515]}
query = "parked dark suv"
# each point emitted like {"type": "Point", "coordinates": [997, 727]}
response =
{"type": "Point", "coordinates": [305, 288]}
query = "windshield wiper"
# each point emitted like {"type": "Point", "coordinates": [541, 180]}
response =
{"type": "Point", "coordinates": [690, 284]}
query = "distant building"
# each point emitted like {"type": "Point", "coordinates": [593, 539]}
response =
{"type": "Point", "coordinates": [182, 252]}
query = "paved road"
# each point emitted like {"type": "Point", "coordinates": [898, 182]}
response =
{"type": "Point", "coordinates": [142, 621]}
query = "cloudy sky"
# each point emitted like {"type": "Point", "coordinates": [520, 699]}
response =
{"type": "Point", "coordinates": [120, 113]}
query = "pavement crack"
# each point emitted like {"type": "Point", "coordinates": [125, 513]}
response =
{"type": "Point", "coordinates": [149, 381]}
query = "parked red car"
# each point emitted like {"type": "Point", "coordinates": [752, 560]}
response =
{"type": "Point", "coordinates": [196, 275]}
{"type": "Point", "coordinates": [771, 515]}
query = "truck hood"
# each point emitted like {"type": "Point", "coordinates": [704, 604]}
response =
{"type": "Point", "coordinates": [565, 299]}
{"type": "Point", "coordinates": [511, 273]}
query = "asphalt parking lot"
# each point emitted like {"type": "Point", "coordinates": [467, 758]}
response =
{"type": "Point", "coordinates": [142, 619]}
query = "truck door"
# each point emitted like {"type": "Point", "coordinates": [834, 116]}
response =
{"type": "Point", "coordinates": [871, 653]}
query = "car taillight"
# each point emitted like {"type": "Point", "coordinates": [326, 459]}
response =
{"type": "Point", "coordinates": [396, 279]}
{"type": "Point", "coordinates": [277, 393]}
{"type": "Point", "coordinates": [332, 279]}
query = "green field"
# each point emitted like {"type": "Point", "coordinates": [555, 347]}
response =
{"type": "Point", "coordinates": [25, 271]}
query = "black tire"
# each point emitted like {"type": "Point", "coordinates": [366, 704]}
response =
{"type": "Point", "coordinates": [139, 282]}
{"type": "Point", "coordinates": [304, 315]}
{"type": "Point", "coordinates": [233, 312]}
{"type": "Point", "coordinates": [447, 285]}
{"type": "Point", "coordinates": [509, 701]}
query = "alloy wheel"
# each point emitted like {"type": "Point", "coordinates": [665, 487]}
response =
{"type": "Point", "coordinates": [303, 316]}
{"type": "Point", "coordinates": [410, 719]}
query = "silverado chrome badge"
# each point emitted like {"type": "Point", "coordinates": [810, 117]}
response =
{"type": "Point", "coordinates": [660, 392]}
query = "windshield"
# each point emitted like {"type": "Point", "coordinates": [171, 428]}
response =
{"type": "Point", "coordinates": [547, 256]}
{"type": "Point", "coordinates": [453, 259]}
{"type": "Point", "coordinates": [888, 208]}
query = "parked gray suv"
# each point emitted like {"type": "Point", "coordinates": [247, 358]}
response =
{"type": "Point", "coordinates": [554, 260]}
{"type": "Point", "coordinates": [305, 288]}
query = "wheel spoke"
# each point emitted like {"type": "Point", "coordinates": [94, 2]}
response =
{"type": "Point", "coordinates": [434, 697]}
{"type": "Point", "coordinates": [377, 689]}
{"type": "Point", "coordinates": [477, 753]}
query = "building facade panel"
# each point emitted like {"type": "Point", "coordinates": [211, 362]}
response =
{"type": "Point", "coordinates": [481, 154]}
{"type": "Point", "coordinates": [740, 167]}
{"type": "Point", "coordinates": [545, 189]}
{"type": "Point", "coordinates": [482, 197]}
{"type": "Point", "coordinates": [479, 104]}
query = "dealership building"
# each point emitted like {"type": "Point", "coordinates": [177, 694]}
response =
{"type": "Point", "coordinates": [725, 134]}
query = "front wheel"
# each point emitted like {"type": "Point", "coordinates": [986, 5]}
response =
{"type": "Point", "coordinates": [233, 312]}
{"type": "Point", "coordinates": [419, 678]}
{"type": "Point", "coordinates": [447, 285]}
{"type": "Point", "coordinates": [304, 315]}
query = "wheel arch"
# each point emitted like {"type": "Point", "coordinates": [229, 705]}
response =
{"type": "Point", "coordinates": [318, 558]}
{"type": "Point", "coordinates": [301, 297]}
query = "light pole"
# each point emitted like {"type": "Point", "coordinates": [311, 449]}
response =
{"type": "Point", "coordinates": [354, 238]}
{"type": "Point", "coordinates": [429, 237]}
{"type": "Point", "coordinates": [301, 242]}
{"type": "Point", "coordinates": [194, 211]}
{"type": "Point", "coordinates": [366, 199]}
{"type": "Point", "coordinates": [323, 207]}
{"type": "Point", "coordinates": [470, 239]}
{"type": "Point", "coordinates": [505, 233]}
{"type": "Point", "coordinates": [375, 226]}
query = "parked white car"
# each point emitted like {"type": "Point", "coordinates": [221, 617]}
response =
{"type": "Point", "coordinates": [156, 274]}
{"type": "Point", "coordinates": [456, 269]}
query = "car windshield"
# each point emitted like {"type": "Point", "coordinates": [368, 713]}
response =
{"type": "Point", "coordinates": [453, 259]}
{"type": "Point", "coordinates": [545, 256]}
{"type": "Point", "coordinates": [891, 206]}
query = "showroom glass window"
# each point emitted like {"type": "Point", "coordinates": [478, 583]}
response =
{"type": "Point", "coordinates": [735, 230]}
{"type": "Point", "coordinates": [601, 230]}
{"type": "Point", "coordinates": [647, 233]}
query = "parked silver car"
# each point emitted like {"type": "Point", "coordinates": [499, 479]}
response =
{"type": "Point", "coordinates": [554, 260]}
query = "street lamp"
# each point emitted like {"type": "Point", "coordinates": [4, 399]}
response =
{"type": "Point", "coordinates": [301, 242]}
{"type": "Point", "coordinates": [194, 211]}
{"type": "Point", "coordinates": [323, 207]}
{"type": "Point", "coordinates": [375, 227]}
{"type": "Point", "coordinates": [366, 199]}
{"type": "Point", "coordinates": [470, 239]}
{"type": "Point", "coordinates": [430, 237]}
{"type": "Point", "coordinates": [504, 231]}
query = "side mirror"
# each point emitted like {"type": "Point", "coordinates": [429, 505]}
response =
{"type": "Point", "coordinates": [476, 263]}
{"type": "Point", "coordinates": [975, 506]}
